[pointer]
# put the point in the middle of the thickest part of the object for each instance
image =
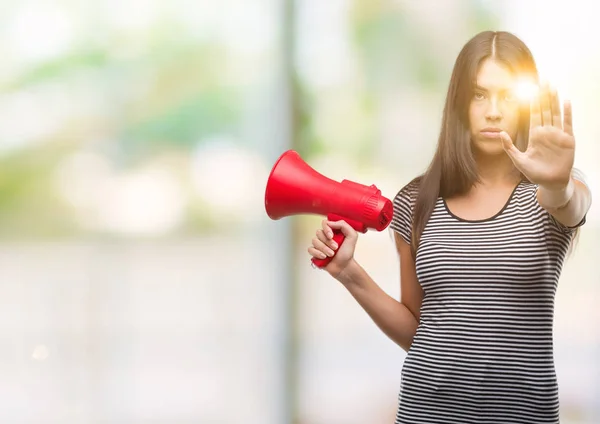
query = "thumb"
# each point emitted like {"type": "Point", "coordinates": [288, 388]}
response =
{"type": "Point", "coordinates": [511, 150]}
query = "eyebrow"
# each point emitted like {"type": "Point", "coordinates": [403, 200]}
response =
{"type": "Point", "coordinates": [480, 88]}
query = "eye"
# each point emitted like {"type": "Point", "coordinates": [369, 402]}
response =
{"type": "Point", "coordinates": [478, 96]}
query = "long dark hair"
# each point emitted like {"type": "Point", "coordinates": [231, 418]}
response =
{"type": "Point", "coordinates": [453, 169]}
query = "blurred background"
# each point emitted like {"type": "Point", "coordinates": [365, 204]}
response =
{"type": "Point", "coordinates": [140, 278]}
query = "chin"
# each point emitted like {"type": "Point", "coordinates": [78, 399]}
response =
{"type": "Point", "coordinates": [488, 147]}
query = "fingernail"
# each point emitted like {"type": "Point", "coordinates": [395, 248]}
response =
{"type": "Point", "coordinates": [334, 245]}
{"type": "Point", "coordinates": [330, 252]}
{"type": "Point", "coordinates": [322, 255]}
{"type": "Point", "coordinates": [330, 235]}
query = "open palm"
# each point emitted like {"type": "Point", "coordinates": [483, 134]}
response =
{"type": "Point", "coordinates": [550, 153]}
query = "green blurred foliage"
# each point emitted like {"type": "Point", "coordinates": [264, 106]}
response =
{"type": "Point", "coordinates": [167, 93]}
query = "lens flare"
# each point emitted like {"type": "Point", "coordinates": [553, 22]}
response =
{"type": "Point", "coordinates": [526, 91]}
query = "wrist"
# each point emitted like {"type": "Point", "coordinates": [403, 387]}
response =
{"type": "Point", "coordinates": [350, 273]}
{"type": "Point", "coordinates": [556, 198]}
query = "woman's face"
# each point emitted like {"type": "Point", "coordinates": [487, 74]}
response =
{"type": "Point", "coordinates": [494, 107]}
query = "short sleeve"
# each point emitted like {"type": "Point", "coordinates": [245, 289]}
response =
{"type": "Point", "coordinates": [404, 203]}
{"type": "Point", "coordinates": [558, 226]}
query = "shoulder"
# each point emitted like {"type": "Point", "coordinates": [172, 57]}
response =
{"type": "Point", "coordinates": [526, 198]}
{"type": "Point", "coordinates": [528, 190]}
{"type": "Point", "coordinates": [407, 195]}
{"type": "Point", "coordinates": [404, 204]}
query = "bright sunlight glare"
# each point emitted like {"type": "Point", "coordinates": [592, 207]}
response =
{"type": "Point", "coordinates": [526, 90]}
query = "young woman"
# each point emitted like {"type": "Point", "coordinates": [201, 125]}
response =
{"type": "Point", "coordinates": [481, 236]}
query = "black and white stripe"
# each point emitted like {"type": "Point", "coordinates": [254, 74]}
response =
{"type": "Point", "coordinates": [483, 352]}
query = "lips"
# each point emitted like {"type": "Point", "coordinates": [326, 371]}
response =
{"type": "Point", "coordinates": [491, 132]}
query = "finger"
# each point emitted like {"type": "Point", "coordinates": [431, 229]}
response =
{"type": "Point", "coordinates": [326, 240]}
{"type": "Point", "coordinates": [535, 119]}
{"type": "Point", "coordinates": [515, 154]}
{"type": "Point", "coordinates": [545, 106]}
{"type": "Point", "coordinates": [568, 116]}
{"type": "Point", "coordinates": [555, 106]}
{"type": "Point", "coordinates": [322, 247]}
{"type": "Point", "coordinates": [326, 229]}
{"type": "Point", "coordinates": [316, 253]}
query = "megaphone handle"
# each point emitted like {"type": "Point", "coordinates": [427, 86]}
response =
{"type": "Point", "coordinates": [338, 237]}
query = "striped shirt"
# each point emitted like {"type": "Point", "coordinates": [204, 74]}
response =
{"type": "Point", "coordinates": [483, 350]}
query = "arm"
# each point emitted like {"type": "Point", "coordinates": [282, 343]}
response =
{"type": "Point", "coordinates": [568, 205]}
{"type": "Point", "coordinates": [397, 319]}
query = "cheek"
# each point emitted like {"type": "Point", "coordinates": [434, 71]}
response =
{"type": "Point", "coordinates": [512, 118]}
{"type": "Point", "coordinates": [475, 113]}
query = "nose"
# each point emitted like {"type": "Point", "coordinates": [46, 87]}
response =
{"type": "Point", "coordinates": [493, 112]}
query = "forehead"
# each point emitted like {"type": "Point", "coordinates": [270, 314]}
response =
{"type": "Point", "coordinates": [493, 75]}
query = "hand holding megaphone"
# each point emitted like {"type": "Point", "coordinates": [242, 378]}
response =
{"type": "Point", "coordinates": [333, 246]}
{"type": "Point", "coordinates": [295, 188]}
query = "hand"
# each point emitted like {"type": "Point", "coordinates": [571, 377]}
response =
{"type": "Point", "coordinates": [323, 246]}
{"type": "Point", "coordinates": [550, 153]}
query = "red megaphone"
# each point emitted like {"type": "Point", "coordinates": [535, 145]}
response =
{"type": "Point", "coordinates": [295, 188]}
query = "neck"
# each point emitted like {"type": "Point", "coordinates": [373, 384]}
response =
{"type": "Point", "coordinates": [496, 170]}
